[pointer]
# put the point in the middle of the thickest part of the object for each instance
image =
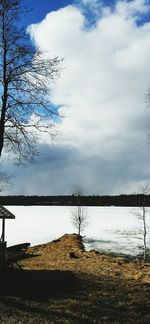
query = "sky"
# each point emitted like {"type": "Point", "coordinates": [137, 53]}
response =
{"type": "Point", "coordinates": [103, 142]}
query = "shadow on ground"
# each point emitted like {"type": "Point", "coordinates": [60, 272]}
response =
{"type": "Point", "coordinates": [37, 285]}
{"type": "Point", "coordinates": [61, 297]}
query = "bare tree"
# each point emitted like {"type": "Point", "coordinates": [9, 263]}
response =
{"type": "Point", "coordinates": [79, 213]}
{"type": "Point", "coordinates": [141, 214]}
{"type": "Point", "coordinates": [25, 78]}
{"type": "Point", "coordinates": [4, 180]}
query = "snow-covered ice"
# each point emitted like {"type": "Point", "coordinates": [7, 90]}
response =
{"type": "Point", "coordinates": [110, 229]}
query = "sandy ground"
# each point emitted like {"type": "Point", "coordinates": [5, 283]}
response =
{"type": "Point", "coordinates": [63, 283]}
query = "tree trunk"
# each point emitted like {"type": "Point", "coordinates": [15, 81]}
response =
{"type": "Point", "coordinates": [5, 85]}
{"type": "Point", "coordinates": [144, 225]}
{"type": "Point", "coordinates": [1, 134]}
{"type": "Point", "coordinates": [79, 232]}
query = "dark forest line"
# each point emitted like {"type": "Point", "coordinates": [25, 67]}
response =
{"type": "Point", "coordinates": [106, 200]}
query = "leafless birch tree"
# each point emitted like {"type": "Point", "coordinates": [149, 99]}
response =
{"type": "Point", "coordinates": [25, 78]}
{"type": "Point", "coordinates": [141, 214]}
{"type": "Point", "coordinates": [79, 213]}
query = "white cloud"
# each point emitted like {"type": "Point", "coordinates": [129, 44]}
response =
{"type": "Point", "coordinates": [131, 8]}
{"type": "Point", "coordinates": [102, 91]}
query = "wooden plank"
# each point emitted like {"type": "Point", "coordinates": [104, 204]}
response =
{"type": "Point", "coordinates": [18, 247]}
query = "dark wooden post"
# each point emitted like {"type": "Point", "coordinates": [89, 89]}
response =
{"type": "Point", "coordinates": [3, 229]}
{"type": "Point", "coordinates": [2, 255]}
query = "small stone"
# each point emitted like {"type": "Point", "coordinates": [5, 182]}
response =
{"type": "Point", "coordinates": [72, 255]}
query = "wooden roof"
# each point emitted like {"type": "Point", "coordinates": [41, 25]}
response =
{"type": "Point", "coordinates": [5, 213]}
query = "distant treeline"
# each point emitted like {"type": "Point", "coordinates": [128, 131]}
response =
{"type": "Point", "coordinates": [121, 200]}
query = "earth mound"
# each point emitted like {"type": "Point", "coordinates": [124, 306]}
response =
{"type": "Point", "coordinates": [64, 283]}
{"type": "Point", "coordinates": [68, 253]}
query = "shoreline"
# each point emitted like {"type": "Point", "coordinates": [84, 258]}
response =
{"type": "Point", "coordinates": [110, 251]}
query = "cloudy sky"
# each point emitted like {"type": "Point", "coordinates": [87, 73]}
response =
{"type": "Point", "coordinates": [103, 141]}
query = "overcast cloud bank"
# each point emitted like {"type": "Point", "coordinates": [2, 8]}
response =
{"type": "Point", "coordinates": [101, 93]}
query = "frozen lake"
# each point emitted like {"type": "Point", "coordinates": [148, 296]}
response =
{"type": "Point", "coordinates": [110, 229]}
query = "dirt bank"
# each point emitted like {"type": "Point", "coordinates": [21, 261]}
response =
{"type": "Point", "coordinates": [64, 283]}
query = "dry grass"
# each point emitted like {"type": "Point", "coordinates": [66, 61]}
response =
{"type": "Point", "coordinates": [88, 288]}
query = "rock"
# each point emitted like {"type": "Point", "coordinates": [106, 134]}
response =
{"type": "Point", "coordinates": [72, 255]}
{"type": "Point", "coordinates": [121, 260]}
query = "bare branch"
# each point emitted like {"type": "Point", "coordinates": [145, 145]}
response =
{"type": "Point", "coordinates": [79, 213]}
{"type": "Point", "coordinates": [141, 214]}
{"type": "Point", "coordinates": [5, 179]}
{"type": "Point", "coordinates": [25, 76]}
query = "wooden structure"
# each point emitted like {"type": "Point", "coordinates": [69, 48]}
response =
{"type": "Point", "coordinates": [4, 214]}
{"type": "Point", "coordinates": [15, 253]}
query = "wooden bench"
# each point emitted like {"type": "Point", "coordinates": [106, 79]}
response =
{"type": "Point", "coordinates": [17, 253]}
